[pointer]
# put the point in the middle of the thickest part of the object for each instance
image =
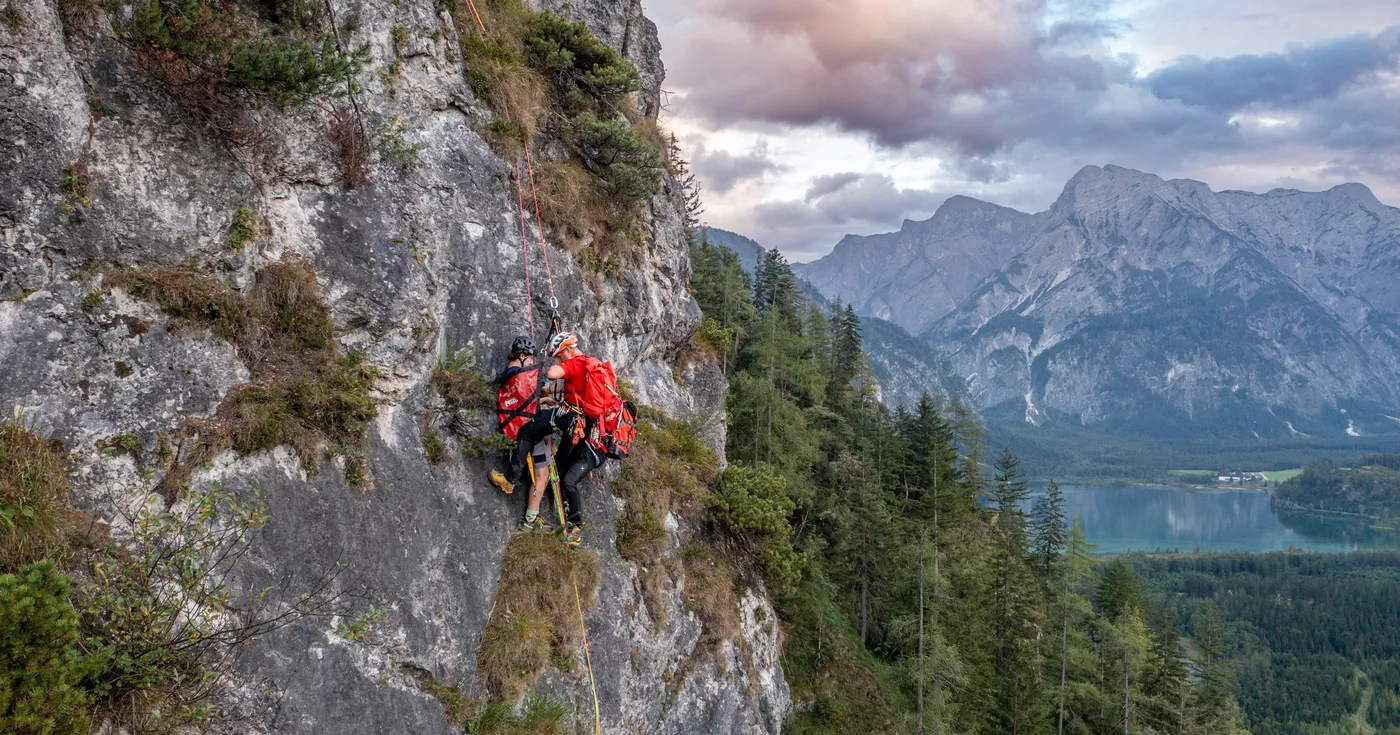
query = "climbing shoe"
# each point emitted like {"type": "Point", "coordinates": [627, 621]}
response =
{"type": "Point", "coordinates": [498, 479]}
{"type": "Point", "coordinates": [573, 536]}
{"type": "Point", "coordinates": [537, 524]}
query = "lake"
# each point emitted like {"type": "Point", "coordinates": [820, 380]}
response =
{"type": "Point", "coordinates": [1152, 519]}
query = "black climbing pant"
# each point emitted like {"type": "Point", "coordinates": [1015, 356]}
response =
{"type": "Point", "coordinates": [575, 462]}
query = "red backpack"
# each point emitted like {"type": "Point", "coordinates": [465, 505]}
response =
{"type": "Point", "coordinates": [519, 400]}
{"type": "Point", "coordinates": [619, 442]}
{"type": "Point", "coordinates": [600, 400]}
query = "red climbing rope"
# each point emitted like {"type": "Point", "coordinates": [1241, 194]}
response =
{"type": "Point", "coordinates": [477, 15]}
{"type": "Point", "coordinates": [539, 221]}
{"type": "Point", "coordinates": [530, 309]}
{"type": "Point", "coordinates": [524, 249]}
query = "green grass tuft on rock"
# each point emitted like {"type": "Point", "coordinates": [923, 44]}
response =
{"type": "Point", "coordinates": [244, 228]}
{"type": "Point", "coordinates": [33, 492]}
{"type": "Point", "coordinates": [536, 619]}
{"type": "Point", "coordinates": [304, 393]}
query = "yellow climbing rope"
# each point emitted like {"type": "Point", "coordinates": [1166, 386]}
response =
{"type": "Point", "coordinates": [578, 598]}
{"type": "Point", "coordinates": [588, 659]}
{"type": "Point", "coordinates": [578, 603]}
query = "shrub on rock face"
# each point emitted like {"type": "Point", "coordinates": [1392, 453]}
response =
{"type": "Point", "coordinates": [625, 164]}
{"type": "Point", "coordinates": [42, 664]}
{"type": "Point", "coordinates": [577, 63]}
{"type": "Point", "coordinates": [292, 72]}
{"type": "Point", "coordinates": [753, 504]}
{"type": "Point", "coordinates": [209, 47]}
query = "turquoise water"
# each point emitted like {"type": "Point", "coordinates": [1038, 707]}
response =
{"type": "Point", "coordinates": [1160, 519]}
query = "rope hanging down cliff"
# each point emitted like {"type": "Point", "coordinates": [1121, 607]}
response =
{"type": "Point", "coordinates": [554, 328]}
{"type": "Point", "coordinates": [520, 205]}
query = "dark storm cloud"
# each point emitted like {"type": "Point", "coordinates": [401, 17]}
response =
{"type": "Point", "coordinates": [1296, 77]}
{"type": "Point", "coordinates": [977, 79]}
{"type": "Point", "coordinates": [721, 171]}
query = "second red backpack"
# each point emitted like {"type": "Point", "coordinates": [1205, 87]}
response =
{"type": "Point", "coordinates": [519, 400]}
{"type": "Point", "coordinates": [600, 399]}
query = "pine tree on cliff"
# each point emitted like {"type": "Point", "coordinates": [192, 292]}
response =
{"type": "Point", "coordinates": [691, 204]}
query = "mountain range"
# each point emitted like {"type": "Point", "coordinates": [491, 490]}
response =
{"type": "Point", "coordinates": [1141, 306]}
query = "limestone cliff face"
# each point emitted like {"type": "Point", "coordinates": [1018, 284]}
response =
{"type": "Point", "coordinates": [415, 261]}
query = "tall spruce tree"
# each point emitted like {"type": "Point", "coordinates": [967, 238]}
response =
{"type": "Point", "coordinates": [1048, 529]}
{"type": "Point", "coordinates": [1010, 491]}
{"type": "Point", "coordinates": [1215, 711]}
{"type": "Point", "coordinates": [692, 204]}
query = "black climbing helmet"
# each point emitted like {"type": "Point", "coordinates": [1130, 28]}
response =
{"type": "Point", "coordinates": [522, 346]}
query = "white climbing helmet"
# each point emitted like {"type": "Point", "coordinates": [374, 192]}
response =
{"type": "Point", "coordinates": [562, 341]}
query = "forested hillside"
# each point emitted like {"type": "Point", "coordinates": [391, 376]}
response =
{"type": "Point", "coordinates": [1370, 487]}
{"type": "Point", "coordinates": [1312, 640]}
{"type": "Point", "coordinates": [915, 589]}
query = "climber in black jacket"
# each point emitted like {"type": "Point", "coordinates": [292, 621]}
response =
{"type": "Point", "coordinates": [524, 412]}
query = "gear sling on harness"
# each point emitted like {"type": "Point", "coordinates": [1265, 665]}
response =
{"type": "Point", "coordinates": [554, 305]}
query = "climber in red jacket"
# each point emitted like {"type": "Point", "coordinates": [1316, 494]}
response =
{"type": "Point", "coordinates": [580, 450]}
{"type": "Point", "coordinates": [525, 411]}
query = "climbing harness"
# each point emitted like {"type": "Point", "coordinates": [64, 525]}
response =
{"type": "Point", "coordinates": [554, 328]}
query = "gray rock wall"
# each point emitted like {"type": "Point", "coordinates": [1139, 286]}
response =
{"type": "Point", "coordinates": [414, 262]}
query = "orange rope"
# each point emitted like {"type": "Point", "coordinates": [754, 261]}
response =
{"type": "Point", "coordinates": [477, 15]}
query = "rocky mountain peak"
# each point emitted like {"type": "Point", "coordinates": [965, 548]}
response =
{"type": "Point", "coordinates": [1358, 194]}
{"type": "Point", "coordinates": [1106, 195]}
{"type": "Point", "coordinates": [1152, 305]}
{"type": "Point", "coordinates": [914, 276]}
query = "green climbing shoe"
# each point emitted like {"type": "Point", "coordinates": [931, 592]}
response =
{"type": "Point", "coordinates": [537, 524]}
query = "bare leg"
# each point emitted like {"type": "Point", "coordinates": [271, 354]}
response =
{"type": "Point", "coordinates": [540, 475]}
{"type": "Point", "coordinates": [537, 490]}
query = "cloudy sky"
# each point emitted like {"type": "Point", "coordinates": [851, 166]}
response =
{"type": "Point", "coordinates": [809, 119]}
